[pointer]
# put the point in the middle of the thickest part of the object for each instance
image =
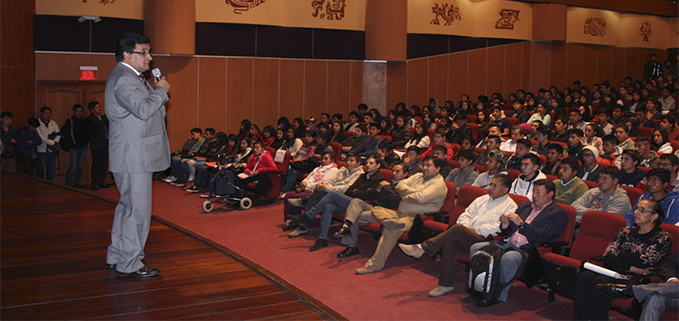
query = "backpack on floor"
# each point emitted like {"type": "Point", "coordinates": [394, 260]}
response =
{"type": "Point", "coordinates": [484, 275]}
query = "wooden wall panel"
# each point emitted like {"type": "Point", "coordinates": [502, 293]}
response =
{"type": "Point", "coordinates": [512, 69]}
{"type": "Point", "coordinates": [339, 87]}
{"type": "Point", "coordinates": [558, 67]}
{"type": "Point", "coordinates": [438, 79]}
{"type": "Point", "coordinates": [397, 83]}
{"type": "Point", "coordinates": [540, 65]}
{"type": "Point", "coordinates": [417, 82]}
{"type": "Point", "coordinates": [315, 88]}
{"type": "Point", "coordinates": [356, 86]}
{"type": "Point", "coordinates": [292, 88]}
{"type": "Point", "coordinates": [477, 73]}
{"type": "Point", "coordinates": [458, 75]}
{"type": "Point", "coordinates": [525, 65]}
{"type": "Point", "coordinates": [496, 70]}
{"type": "Point", "coordinates": [617, 66]}
{"type": "Point", "coordinates": [573, 63]}
{"type": "Point", "coordinates": [18, 93]}
{"type": "Point", "coordinates": [266, 91]}
{"type": "Point", "coordinates": [589, 65]}
{"type": "Point", "coordinates": [632, 66]}
{"type": "Point", "coordinates": [182, 114]}
{"type": "Point", "coordinates": [604, 60]}
{"type": "Point", "coordinates": [212, 92]}
{"type": "Point", "coordinates": [239, 90]}
{"type": "Point", "coordinates": [56, 66]}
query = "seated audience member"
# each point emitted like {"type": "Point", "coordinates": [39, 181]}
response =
{"type": "Point", "coordinates": [385, 153]}
{"type": "Point", "coordinates": [459, 130]}
{"type": "Point", "coordinates": [440, 153]}
{"type": "Point", "coordinates": [671, 163]}
{"type": "Point", "coordinates": [353, 122]}
{"type": "Point", "coordinates": [189, 149]}
{"type": "Point", "coordinates": [359, 138]}
{"type": "Point", "coordinates": [344, 178]}
{"type": "Point", "coordinates": [337, 202]}
{"type": "Point", "coordinates": [592, 136]}
{"type": "Point", "coordinates": [494, 163]}
{"type": "Point", "coordinates": [617, 115]}
{"type": "Point", "coordinates": [268, 135]}
{"type": "Point", "coordinates": [498, 118]}
{"type": "Point", "coordinates": [324, 172]}
{"type": "Point", "coordinates": [510, 145]}
{"type": "Point", "coordinates": [561, 130]}
{"type": "Point", "coordinates": [648, 157]}
{"type": "Point", "coordinates": [534, 126]}
{"type": "Point", "coordinates": [534, 223]}
{"type": "Point", "coordinates": [608, 197]}
{"type": "Point", "coordinates": [421, 193]}
{"type": "Point", "coordinates": [258, 165]}
{"type": "Point", "coordinates": [660, 142]}
{"type": "Point", "coordinates": [338, 135]}
{"type": "Point", "coordinates": [520, 112]}
{"type": "Point", "coordinates": [630, 174]}
{"type": "Point", "coordinates": [575, 120]}
{"type": "Point", "coordinates": [292, 143]}
{"type": "Point", "coordinates": [530, 169]}
{"type": "Point", "coordinates": [359, 212]}
{"type": "Point", "coordinates": [569, 187]}
{"type": "Point", "coordinates": [554, 157]}
{"type": "Point", "coordinates": [667, 123]}
{"type": "Point", "coordinates": [493, 130]}
{"type": "Point", "coordinates": [610, 152]}
{"type": "Point", "coordinates": [439, 139]}
{"type": "Point", "coordinates": [667, 102]}
{"type": "Point", "coordinates": [421, 137]}
{"type": "Point", "coordinates": [542, 137]}
{"type": "Point", "coordinates": [575, 145]}
{"type": "Point", "coordinates": [659, 297]}
{"type": "Point", "coordinates": [479, 220]}
{"type": "Point", "coordinates": [302, 162]}
{"type": "Point", "coordinates": [589, 170]}
{"type": "Point", "coordinates": [523, 147]}
{"type": "Point", "coordinates": [657, 182]}
{"type": "Point", "coordinates": [622, 135]}
{"type": "Point", "coordinates": [28, 141]}
{"type": "Point", "coordinates": [604, 124]}
{"type": "Point", "coordinates": [465, 174]}
{"type": "Point", "coordinates": [412, 160]}
{"type": "Point", "coordinates": [402, 132]}
{"type": "Point", "coordinates": [541, 115]}
{"type": "Point", "coordinates": [186, 171]}
{"type": "Point", "coordinates": [636, 251]}
{"type": "Point", "coordinates": [642, 116]}
{"type": "Point", "coordinates": [492, 143]}
{"type": "Point", "coordinates": [369, 146]}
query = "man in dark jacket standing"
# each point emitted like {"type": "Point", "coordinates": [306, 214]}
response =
{"type": "Point", "coordinates": [75, 138]}
{"type": "Point", "coordinates": [97, 128]}
{"type": "Point", "coordinates": [9, 140]}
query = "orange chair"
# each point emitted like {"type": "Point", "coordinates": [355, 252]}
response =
{"type": "Point", "coordinates": [597, 230]}
{"type": "Point", "coordinates": [337, 150]}
{"type": "Point", "coordinates": [633, 193]}
{"type": "Point", "coordinates": [591, 184]}
{"type": "Point", "coordinates": [475, 130]}
{"type": "Point", "coordinates": [513, 174]}
{"type": "Point", "coordinates": [646, 131]}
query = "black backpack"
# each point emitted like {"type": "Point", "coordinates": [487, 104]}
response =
{"type": "Point", "coordinates": [484, 275]}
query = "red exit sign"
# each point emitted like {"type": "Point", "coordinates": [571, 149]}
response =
{"type": "Point", "coordinates": [88, 73]}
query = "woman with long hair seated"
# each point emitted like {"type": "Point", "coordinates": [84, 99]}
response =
{"type": "Point", "coordinates": [258, 165]}
{"type": "Point", "coordinates": [636, 251]}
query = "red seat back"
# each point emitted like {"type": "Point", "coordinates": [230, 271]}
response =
{"type": "Point", "coordinates": [467, 195]}
{"type": "Point", "coordinates": [480, 168]}
{"type": "Point", "coordinates": [674, 232]}
{"type": "Point", "coordinates": [518, 199]}
{"type": "Point", "coordinates": [591, 184]}
{"type": "Point", "coordinates": [597, 230]}
{"type": "Point", "coordinates": [513, 174]}
{"type": "Point", "coordinates": [387, 173]}
{"type": "Point", "coordinates": [449, 201]}
{"type": "Point", "coordinates": [633, 193]}
{"type": "Point", "coordinates": [567, 234]}
{"type": "Point", "coordinates": [475, 129]}
{"type": "Point", "coordinates": [645, 131]}
{"type": "Point", "coordinates": [337, 150]}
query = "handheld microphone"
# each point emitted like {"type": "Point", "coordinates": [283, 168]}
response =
{"type": "Point", "coordinates": [156, 73]}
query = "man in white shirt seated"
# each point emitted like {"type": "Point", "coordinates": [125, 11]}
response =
{"type": "Point", "coordinates": [510, 145]}
{"type": "Point", "coordinates": [479, 220]}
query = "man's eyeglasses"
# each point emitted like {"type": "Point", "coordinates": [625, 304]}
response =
{"type": "Point", "coordinates": [143, 53]}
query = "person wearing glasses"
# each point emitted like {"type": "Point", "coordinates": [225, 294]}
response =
{"type": "Point", "coordinates": [657, 182]}
{"type": "Point", "coordinates": [138, 147]}
{"type": "Point", "coordinates": [636, 251]}
{"type": "Point", "coordinates": [671, 162]}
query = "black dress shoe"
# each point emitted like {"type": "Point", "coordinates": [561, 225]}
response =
{"type": "Point", "coordinates": [144, 272]}
{"type": "Point", "coordinates": [320, 243]}
{"type": "Point", "coordinates": [289, 225]}
{"type": "Point", "coordinates": [111, 266]}
{"type": "Point", "coordinates": [103, 185]}
{"type": "Point", "coordinates": [342, 233]}
{"type": "Point", "coordinates": [349, 251]}
{"type": "Point", "coordinates": [301, 219]}
{"type": "Point", "coordinates": [615, 291]}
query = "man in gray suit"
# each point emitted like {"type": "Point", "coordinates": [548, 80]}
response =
{"type": "Point", "coordinates": [138, 146]}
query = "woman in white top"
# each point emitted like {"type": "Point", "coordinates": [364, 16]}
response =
{"type": "Point", "coordinates": [660, 142]}
{"type": "Point", "coordinates": [541, 115]}
{"type": "Point", "coordinates": [292, 143]}
{"type": "Point", "coordinates": [420, 139]}
{"type": "Point", "coordinates": [592, 136]}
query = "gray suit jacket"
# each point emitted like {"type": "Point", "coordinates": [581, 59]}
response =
{"type": "Point", "coordinates": [137, 139]}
